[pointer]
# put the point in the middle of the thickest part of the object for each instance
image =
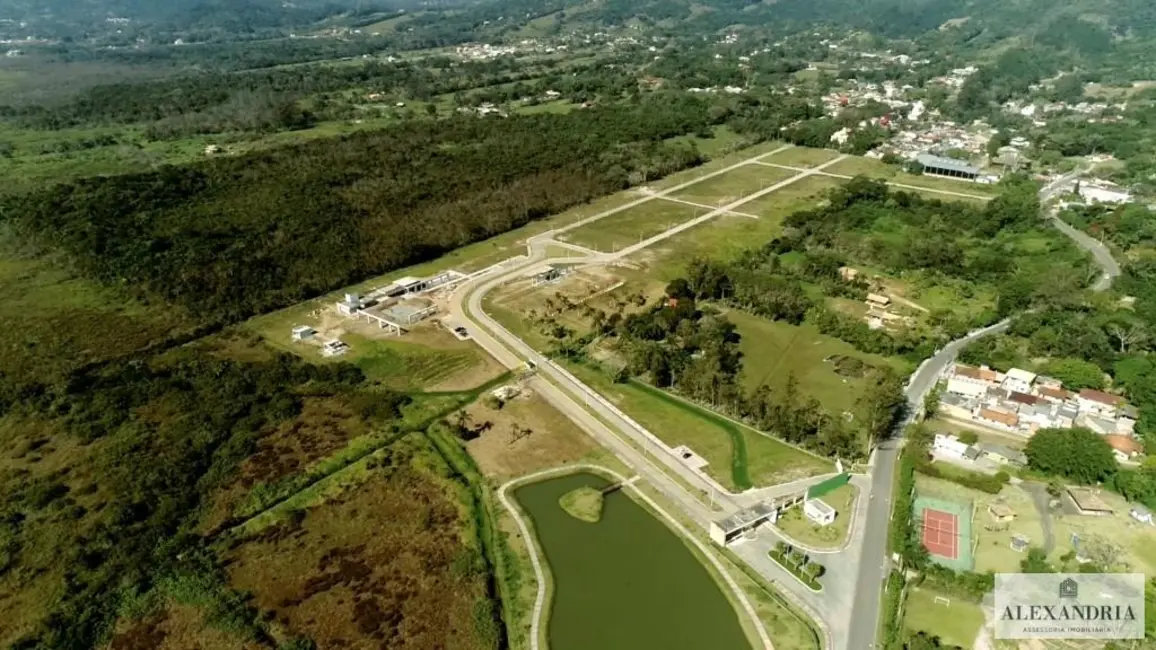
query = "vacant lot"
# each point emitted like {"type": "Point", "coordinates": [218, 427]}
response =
{"type": "Point", "coordinates": [631, 226]}
{"type": "Point", "coordinates": [525, 435]}
{"type": "Point", "coordinates": [802, 157]}
{"type": "Point", "coordinates": [734, 185]}
{"type": "Point", "coordinates": [385, 565]}
{"type": "Point", "coordinates": [800, 195]}
{"type": "Point", "coordinates": [773, 351]}
{"type": "Point", "coordinates": [957, 623]}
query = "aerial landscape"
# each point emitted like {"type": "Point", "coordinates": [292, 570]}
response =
{"type": "Point", "coordinates": [572, 324]}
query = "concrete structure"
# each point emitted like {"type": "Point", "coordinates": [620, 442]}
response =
{"type": "Point", "coordinates": [303, 333]}
{"type": "Point", "coordinates": [726, 530]}
{"type": "Point", "coordinates": [1124, 447]}
{"type": "Point", "coordinates": [1088, 502]}
{"type": "Point", "coordinates": [940, 166]}
{"type": "Point", "coordinates": [1141, 514]}
{"type": "Point", "coordinates": [878, 300]}
{"type": "Point", "coordinates": [349, 305]}
{"type": "Point", "coordinates": [819, 511]}
{"type": "Point", "coordinates": [334, 348]}
{"type": "Point", "coordinates": [1019, 381]}
{"type": "Point", "coordinates": [1001, 513]}
{"type": "Point", "coordinates": [1103, 194]}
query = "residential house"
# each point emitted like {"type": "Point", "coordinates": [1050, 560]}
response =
{"type": "Point", "coordinates": [1065, 417]}
{"type": "Point", "coordinates": [956, 406]}
{"type": "Point", "coordinates": [971, 381]}
{"type": "Point", "coordinates": [1095, 401]}
{"type": "Point", "coordinates": [1125, 448]}
{"type": "Point", "coordinates": [1001, 418]}
{"type": "Point", "coordinates": [1141, 514]}
{"type": "Point", "coordinates": [1003, 455]}
{"type": "Point", "coordinates": [1019, 380]}
{"type": "Point", "coordinates": [1043, 381]}
{"type": "Point", "coordinates": [1054, 395]}
{"type": "Point", "coordinates": [949, 445]}
{"type": "Point", "coordinates": [1099, 424]}
{"type": "Point", "coordinates": [1038, 416]}
{"type": "Point", "coordinates": [819, 511]}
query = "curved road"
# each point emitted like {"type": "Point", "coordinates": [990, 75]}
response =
{"type": "Point", "coordinates": [873, 560]}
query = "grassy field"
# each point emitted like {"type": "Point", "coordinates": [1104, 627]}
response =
{"type": "Point", "coordinates": [803, 157]}
{"type": "Point", "coordinates": [802, 194]}
{"type": "Point", "coordinates": [631, 226]}
{"type": "Point", "coordinates": [957, 624]}
{"type": "Point", "coordinates": [738, 457]}
{"type": "Point", "coordinates": [732, 186]}
{"type": "Point", "coordinates": [773, 350]}
{"type": "Point", "coordinates": [796, 525]}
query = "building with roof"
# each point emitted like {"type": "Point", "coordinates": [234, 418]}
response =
{"type": "Point", "coordinates": [725, 530]}
{"type": "Point", "coordinates": [303, 333]}
{"type": "Point", "coordinates": [1055, 395]}
{"type": "Point", "coordinates": [819, 511]}
{"type": "Point", "coordinates": [1002, 455]}
{"type": "Point", "coordinates": [1002, 418]}
{"type": "Point", "coordinates": [971, 381]}
{"type": "Point", "coordinates": [1141, 514]}
{"type": "Point", "coordinates": [1097, 423]}
{"type": "Point", "coordinates": [956, 406]}
{"type": "Point", "coordinates": [1096, 401]}
{"type": "Point", "coordinates": [1001, 512]}
{"type": "Point", "coordinates": [940, 166]}
{"type": "Point", "coordinates": [1124, 447]}
{"type": "Point", "coordinates": [1093, 193]}
{"type": "Point", "coordinates": [949, 445]}
{"type": "Point", "coordinates": [1018, 380]}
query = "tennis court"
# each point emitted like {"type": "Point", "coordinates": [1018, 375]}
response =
{"type": "Point", "coordinates": [945, 530]}
{"type": "Point", "coordinates": [940, 533]}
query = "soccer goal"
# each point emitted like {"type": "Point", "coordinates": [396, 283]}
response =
{"type": "Point", "coordinates": [940, 600]}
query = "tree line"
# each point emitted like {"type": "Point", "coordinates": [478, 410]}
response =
{"type": "Point", "coordinates": [236, 236]}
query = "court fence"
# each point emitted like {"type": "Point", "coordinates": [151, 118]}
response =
{"type": "Point", "coordinates": [964, 514]}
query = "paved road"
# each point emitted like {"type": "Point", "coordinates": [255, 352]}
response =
{"type": "Point", "coordinates": [873, 561]}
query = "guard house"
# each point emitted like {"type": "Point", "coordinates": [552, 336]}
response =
{"type": "Point", "coordinates": [726, 530]}
{"type": "Point", "coordinates": [949, 167]}
{"type": "Point", "coordinates": [819, 511]}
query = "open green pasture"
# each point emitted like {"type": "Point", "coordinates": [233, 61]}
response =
{"type": "Point", "coordinates": [805, 157]}
{"type": "Point", "coordinates": [773, 351]}
{"type": "Point", "coordinates": [734, 185]}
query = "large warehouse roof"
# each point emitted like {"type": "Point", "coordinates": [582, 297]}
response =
{"type": "Point", "coordinates": [939, 162]}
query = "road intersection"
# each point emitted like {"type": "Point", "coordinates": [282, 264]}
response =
{"type": "Point", "coordinates": [848, 616]}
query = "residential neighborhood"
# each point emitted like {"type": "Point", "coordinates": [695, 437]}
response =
{"type": "Point", "coordinates": [1022, 402]}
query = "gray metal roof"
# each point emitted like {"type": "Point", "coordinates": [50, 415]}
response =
{"type": "Point", "coordinates": [1001, 450]}
{"type": "Point", "coordinates": [939, 162]}
{"type": "Point", "coordinates": [746, 517]}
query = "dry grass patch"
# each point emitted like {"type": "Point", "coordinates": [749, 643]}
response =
{"type": "Point", "coordinates": [177, 627]}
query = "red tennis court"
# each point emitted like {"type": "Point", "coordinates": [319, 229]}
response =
{"type": "Point", "coordinates": [941, 533]}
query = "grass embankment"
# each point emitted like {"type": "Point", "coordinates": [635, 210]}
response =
{"type": "Point", "coordinates": [583, 504]}
{"type": "Point", "coordinates": [739, 457]}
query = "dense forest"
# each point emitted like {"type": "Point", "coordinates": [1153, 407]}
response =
{"type": "Point", "coordinates": [233, 237]}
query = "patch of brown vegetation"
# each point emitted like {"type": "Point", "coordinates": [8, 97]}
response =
{"type": "Point", "coordinates": [177, 627]}
{"type": "Point", "coordinates": [324, 426]}
{"type": "Point", "coordinates": [383, 567]}
{"type": "Point", "coordinates": [553, 439]}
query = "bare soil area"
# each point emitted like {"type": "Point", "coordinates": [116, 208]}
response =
{"type": "Point", "coordinates": [503, 452]}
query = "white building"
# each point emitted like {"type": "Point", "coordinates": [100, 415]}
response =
{"type": "Point", "coordinates": [949, 445]}
{"type": "Point", "coordinates": [303, 333]}
{"type": "Point", "coordinates": [1101, 194]}
{"type": "Point", "coordinates": [819, 512]}
{"type": "Point", "coordinates": [1018, 380]}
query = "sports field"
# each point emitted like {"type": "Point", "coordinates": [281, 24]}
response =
{"type": "Point", "coordinates": [955, 621]}
{"type": "Point", "coordinates": [945, 530]}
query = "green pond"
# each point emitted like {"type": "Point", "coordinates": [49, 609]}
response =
{"type": "Point", "coordinates": [627, 582]}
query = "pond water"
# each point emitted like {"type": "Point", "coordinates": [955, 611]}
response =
{"type": "Point", "coordinates": [627, 582]}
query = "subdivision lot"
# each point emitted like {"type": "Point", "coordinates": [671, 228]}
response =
{"type": "Point", "coordinates": [802, 157]}
{"type": "Point", "coordinates": [773, 351]}
{"type": "Point", "coordinates": [800, 195]}
{"type": "Point", "coordinates": [732, 186]}
{"type": "Point", "coordinates": [797, 526]}
{"type": "Point", "coordinates": [631, 226]}
{"type": "Point", "coordinates": [738, 457]}
{"type": "Point", "coordinates": [956, 622]}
